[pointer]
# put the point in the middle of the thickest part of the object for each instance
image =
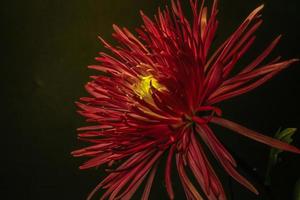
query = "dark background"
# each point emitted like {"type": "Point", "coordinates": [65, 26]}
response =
{"type": "Point", "coordinates": [46, 46]}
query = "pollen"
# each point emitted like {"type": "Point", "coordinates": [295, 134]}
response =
{"type": "Point", "coordinates": [143, 88]}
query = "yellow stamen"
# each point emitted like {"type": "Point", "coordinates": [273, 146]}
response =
{"type": "Point", "coordinates": [143, 88]}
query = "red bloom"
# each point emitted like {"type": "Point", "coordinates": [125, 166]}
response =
{"type": "Point", "coordinates": [154, 99]}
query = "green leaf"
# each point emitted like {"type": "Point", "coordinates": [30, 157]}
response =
{"type": "Point", "coordinates": [284, 136]}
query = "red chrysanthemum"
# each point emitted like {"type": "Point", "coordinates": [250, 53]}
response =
{"type": "Point", "coordinates": [155, 98]}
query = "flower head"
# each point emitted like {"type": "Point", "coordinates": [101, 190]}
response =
{"type": "Point", "coordinates": [159, 97]}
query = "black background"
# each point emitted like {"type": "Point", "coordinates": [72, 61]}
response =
{"type": "Point", "coordinates": [45, 48]}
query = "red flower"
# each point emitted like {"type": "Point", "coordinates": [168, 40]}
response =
{"type": "Point", "coordinates": [155, 98]}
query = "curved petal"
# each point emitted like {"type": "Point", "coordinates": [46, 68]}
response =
{"type": "Point", "coordinates": [254, 135]}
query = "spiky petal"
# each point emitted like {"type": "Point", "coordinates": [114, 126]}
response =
{"type": "Point", "coordinates": [154, 98]}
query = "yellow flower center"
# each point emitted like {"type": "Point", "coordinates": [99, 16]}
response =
{"type": "Point", "coordinates": [143, 88]}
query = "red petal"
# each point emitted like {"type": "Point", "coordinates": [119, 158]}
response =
{"type": "Point", "coordinates": [149, 183]}
{"type": "Point", "coordinates": [254, 135]}
{"type": "Point", "coordinates": [168, 173]}
{"type": "Point", "coordinates": [229, 168]}
{"type": "Point", "coordinates": [189, 188]}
